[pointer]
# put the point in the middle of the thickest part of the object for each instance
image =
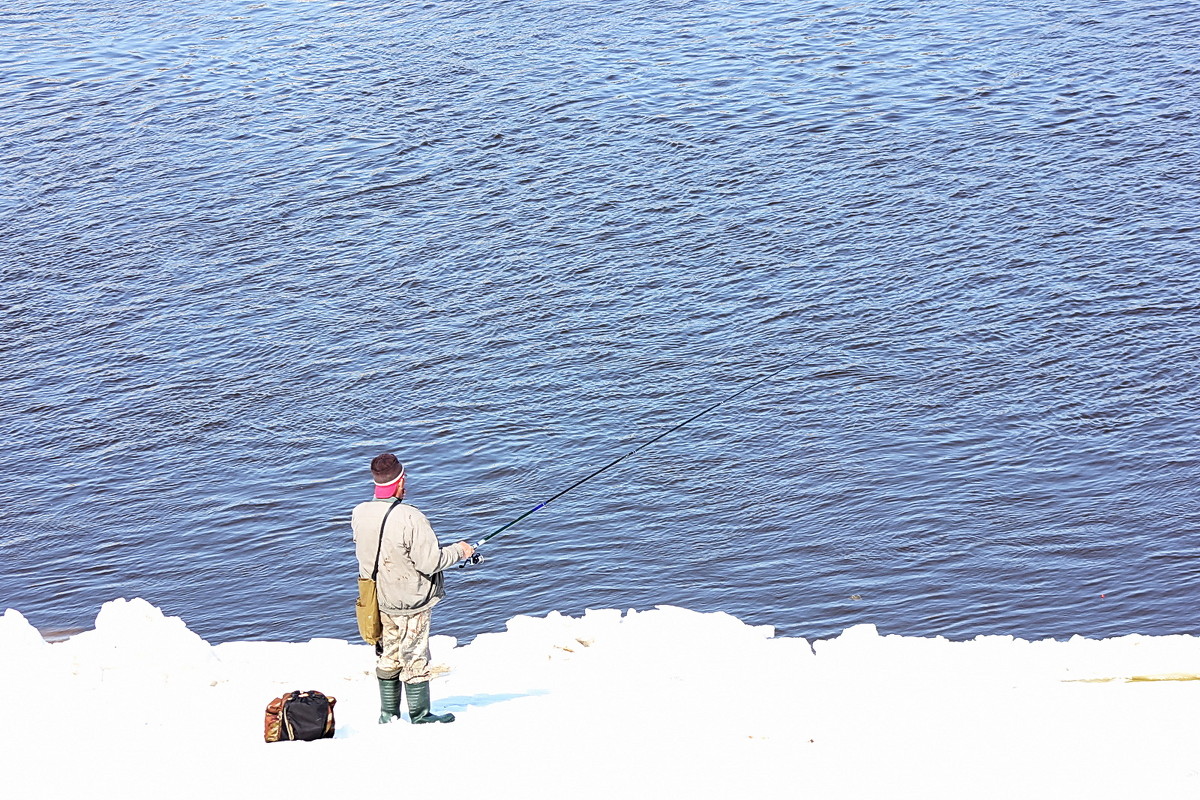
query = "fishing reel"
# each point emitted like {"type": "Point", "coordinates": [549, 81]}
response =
{"type": "Point", "coordinates": [471, 560]}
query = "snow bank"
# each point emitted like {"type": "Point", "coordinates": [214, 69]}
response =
{"type": "Point", "coordinates": [663, 703]}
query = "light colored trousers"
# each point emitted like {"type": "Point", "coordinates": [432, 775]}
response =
{"type": "Point", "coordinates": [405, 644]}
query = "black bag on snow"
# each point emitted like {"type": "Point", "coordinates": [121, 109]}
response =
{"type": "Point", "coordinates": [299, 716]}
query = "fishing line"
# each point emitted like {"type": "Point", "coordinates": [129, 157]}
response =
{"type": "Point", "coordinates": [476, 558]}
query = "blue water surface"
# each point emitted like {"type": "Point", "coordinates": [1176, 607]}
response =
{"type": "Point", "coordinates": [245, 247]}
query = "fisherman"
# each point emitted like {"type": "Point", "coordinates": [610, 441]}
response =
{"type": "Point", "coordinates": [409, 583]}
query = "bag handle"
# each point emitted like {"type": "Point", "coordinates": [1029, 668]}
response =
{"type": "Point", "coordinates": [379, 549]}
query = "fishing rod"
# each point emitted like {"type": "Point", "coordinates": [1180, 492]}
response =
{"type": "Point", "coordinates": [476, 558]}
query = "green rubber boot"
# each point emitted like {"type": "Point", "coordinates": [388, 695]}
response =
{"type": "Point", "coordinates": [389, 699]}
{"type": "Point", "coordinates": [418, 705]}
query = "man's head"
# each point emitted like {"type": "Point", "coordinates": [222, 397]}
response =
{"type": "Point", "coordinates": [388, 474]}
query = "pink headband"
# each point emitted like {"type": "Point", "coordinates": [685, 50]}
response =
{"type": "Point", "coordinates": [388, 488]}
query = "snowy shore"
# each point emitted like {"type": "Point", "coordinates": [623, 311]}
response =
{"type": "Point", "coordinates": [663, 703]}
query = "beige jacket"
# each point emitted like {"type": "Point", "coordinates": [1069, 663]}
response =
{"type": "Point", "coordinates": [410, 561]}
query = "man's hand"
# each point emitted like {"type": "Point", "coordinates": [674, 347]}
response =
{"type": "Point", "coordinates": [468, 551]}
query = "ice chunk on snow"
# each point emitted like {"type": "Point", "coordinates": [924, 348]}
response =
{"type": "Point", "coordinates": [134, 641]}
{"type": "Point", "coordinates": [854, 642]}
{"type": "Point", "coordinates": [23, 652]}
{"type": "Point", "coordinates": [17, 637]}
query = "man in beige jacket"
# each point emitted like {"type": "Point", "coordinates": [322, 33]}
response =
{"type": "Point", "coordinates": [399, 538]}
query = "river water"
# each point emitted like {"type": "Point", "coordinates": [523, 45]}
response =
{"type": "Point", "coordinates": [245, 247]}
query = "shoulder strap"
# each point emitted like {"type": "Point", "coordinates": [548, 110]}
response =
{"type": "Point", "coordinates": [379, 549]}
